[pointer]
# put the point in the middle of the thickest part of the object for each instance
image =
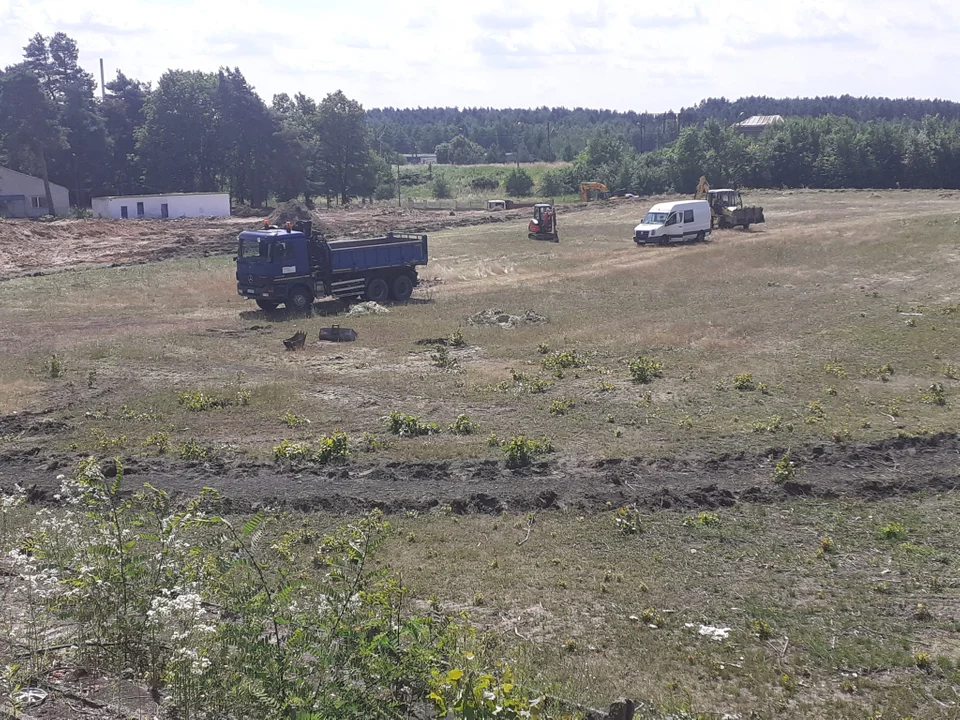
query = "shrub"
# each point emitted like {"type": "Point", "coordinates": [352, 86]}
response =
{"type": "Point", "coordinates": [442, 359]}
{"type": "Point", "coordinates": [518, 183]}
{"type": "Point", "coordinates": [520, 450]}
{"type": "Point", "coordinates": [331, 448]}
{"type": "Point", "coordinates": [543, 348]}
{"type": "Point", "coordinates": [744, 382]}
{"type": "Point", "coordinates": [441, 188]}
{"type": "Point", "coordinates": [835, 369]}
{"type": "Point", "coordinates": [951, 372]}
{"type": "Point", "coordinates": [485, 182]}
{"type": "Point", "coordinates": [644, 370]}
{"type": "Point", "coordinates": [553, 183]}
{"type": "Point", "coordinates": [463, 425]}
{"type": "Point", "coordinates": [560, 406]}
{"type": "Point", "coordinates": [761, 628]}
{"type": "Point", "coordinates": [107, 442]}
{"type": "Point", "coordinates": [770, 425]}
{"type": "Point", "coordinates": [702, 519]}
{"type": "Point", "coordinates": [410, 425]}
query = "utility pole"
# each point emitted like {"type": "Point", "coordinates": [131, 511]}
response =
{"type": "Point", "coordinates": [398, 184]}
{"type": "Point", "coordinates": [103, 85]}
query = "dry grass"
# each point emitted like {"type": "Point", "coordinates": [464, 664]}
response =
{"type": "Point", "coordinates": [820, 283]}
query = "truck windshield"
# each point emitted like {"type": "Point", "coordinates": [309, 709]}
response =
{"type": "Point", "coordinates": [653, 218]}
{"type": "Point", "coordinates": [253, 249]}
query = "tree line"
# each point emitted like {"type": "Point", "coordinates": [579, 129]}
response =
{"type": "Point", "coordinates": [200, 131]}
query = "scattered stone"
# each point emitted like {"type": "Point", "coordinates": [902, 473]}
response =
{"type": "Point", "coordinates": [496, 316]}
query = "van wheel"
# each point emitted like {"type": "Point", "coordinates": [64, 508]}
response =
{"type": "Point", "coordinates": [701, 236]}
{"type": "Point", "coordinates": [664, 241]}
{"type": "Point", "coordinates": [377, 290]}
{"type": "Point", "coordinates": [299, 300]}
{"type": "Point", "coordinates": [402, 288]}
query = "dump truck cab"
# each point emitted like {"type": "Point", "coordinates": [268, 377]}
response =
{"type": "Point", "coordinates": [273, 261]}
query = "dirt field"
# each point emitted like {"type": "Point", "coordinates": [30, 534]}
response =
{"type": "Point", "coordinates": [830, 334]}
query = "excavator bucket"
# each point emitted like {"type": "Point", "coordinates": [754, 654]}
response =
{"type": "Point", "coordinates": [296, 342]}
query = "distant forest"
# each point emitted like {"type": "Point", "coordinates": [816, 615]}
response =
{"type": "Point", "coordinates": [210, 131]}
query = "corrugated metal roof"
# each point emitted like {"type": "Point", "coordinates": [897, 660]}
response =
{"type": "Point", "coordinates": [760, 120]}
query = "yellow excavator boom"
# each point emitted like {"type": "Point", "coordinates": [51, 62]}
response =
{"type": "Point", "coordinates": [585, 189]}
{"type": "Point", "coordinates": [703, 187]}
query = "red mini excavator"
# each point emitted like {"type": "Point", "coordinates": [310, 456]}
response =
{"type": "Point", "coordinates": [543, 226]}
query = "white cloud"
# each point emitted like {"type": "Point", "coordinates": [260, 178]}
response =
{"type": "Point", "coordinates": [641, 56]}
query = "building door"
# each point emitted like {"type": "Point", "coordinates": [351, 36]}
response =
{"type": "Point", "coordinates": [123, 212]}
{"type": "Point", "coordinates": [139, 209]}
{"type": "Point", "coordinates": [164, 210]}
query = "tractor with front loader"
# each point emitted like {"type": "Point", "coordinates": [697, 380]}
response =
{"type": "Point", "coordinates": [726, 207]}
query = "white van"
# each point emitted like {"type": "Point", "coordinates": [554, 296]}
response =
{"type": "Point", "coordinates": [674, 222]}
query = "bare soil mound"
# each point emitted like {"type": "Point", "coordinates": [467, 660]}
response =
{"type": "Point", "coordinates": [289, 211]}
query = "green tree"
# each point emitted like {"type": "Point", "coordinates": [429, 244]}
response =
{"type": "Point", "coordinates": [28, 124]}
{"type": "Point", "coordinates": [441, 188]}
{"type": "Point", "coordinates": [180, 143]}
{"type": "Point", "coordinates": [460, 151]}
{"type": "Point", "coordinates": [518, 183]}
{"type": "Point", "coordinates": [123, 112]}
{"type": "Point", "coordinates": [343, 149]}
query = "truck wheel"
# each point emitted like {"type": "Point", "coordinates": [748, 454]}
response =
{"type": "Point", "coordinates": [377, 290]}
{"type": "Point", "coordinates": [299, 299]}
{"type": "Point", "coordinates": [402, 288]}
{"type": "Point", "coordinates": [267, 305]}
{"type": "Point", "coordinates": [746, 227]}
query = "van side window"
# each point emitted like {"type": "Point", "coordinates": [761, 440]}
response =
{"type": "Point", "coordinates": [672, 220]}
{"type": "Point", "coordinates": [688, 216]}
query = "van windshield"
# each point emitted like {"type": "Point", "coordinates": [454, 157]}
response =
{"type": "Point", "coordinates": [653, 218]}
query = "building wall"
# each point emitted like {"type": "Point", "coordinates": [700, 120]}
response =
{"type": "Point", "coordinates": [151, 206]}
{"type": "Point", "coordinates": [34, 201]}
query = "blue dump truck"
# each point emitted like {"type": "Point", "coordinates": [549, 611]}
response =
{"type": "Point", "coordinates": [294, 266]}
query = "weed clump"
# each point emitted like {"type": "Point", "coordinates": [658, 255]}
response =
{"type": "Point", "coordinates": [456, 340]}
{"type": "Point", "coordinates": [702, 519]}
{"type": "Point", "coordinates": [442, 359]}
{"type": "Point", "coordinates": [563, 360]}
{"type": "Point", "coordinates": [410, 425]}
{"type": "Point", "coordinates": [198, 401]}
{"type": "Point", "coordinates": [293, 421]}
{"type": "Point", "coordinates": [332, 448]}
{"type": "Point", "coordinates": [193, 450]}
{"type": "Point", "coordinates": [463, 425]}
{"type": "Point", "coordinates": [288, 450]}
{"type": "Point", "coordinates": [643, 370]}
{"type": "Point", "coordinates": [159, 440]}
{"type": "Point", "coordinates": [54, 367]}
{"type": "Point", "coordinates": [627, 521]}
{"type": "Point", "coordinates": [893, 531]}
{"type": "Point", "coordinates": [521, 451]}
{"type": "Point", "coordinates": [934, 395]}
{"type": "Point", "coordinates": [770, 425]}
{"type": "Point", "coordinates": [744, 382]}
{"type": "Point", "coordinates": [784, 471]}
{"type": "Point", "coordinates": [561, 405]}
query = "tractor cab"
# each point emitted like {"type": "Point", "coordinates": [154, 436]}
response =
{"type": "Point", "coordinates": [543, 226]}
{"type": "Point", "coordinates": [725, 199]}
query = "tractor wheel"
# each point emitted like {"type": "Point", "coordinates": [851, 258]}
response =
{"type": "Point", "coordinates": [402, 288]}
{"type": "Point", "coordinates": [299, 300]}
{"type": "Point", "coordinates": [377, 290]}
{"type": "Point", "coordinates": [267, 305]}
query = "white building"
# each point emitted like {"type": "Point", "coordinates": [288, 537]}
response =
{"type": "Point", "coordinates": [22, 196]}
{"type": "Point", "coordinates": [171, 205]}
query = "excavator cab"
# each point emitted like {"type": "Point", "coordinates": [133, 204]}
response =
{"type": "Point", "coordinates": [543, 226]}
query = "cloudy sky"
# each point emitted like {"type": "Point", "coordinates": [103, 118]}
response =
{"type": "Point", "coordinates": [622, 55]}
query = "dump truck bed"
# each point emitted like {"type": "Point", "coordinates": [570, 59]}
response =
{"type": "Point", "coordinates": [390, 251]}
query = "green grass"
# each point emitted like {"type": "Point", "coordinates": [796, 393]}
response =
{"type": "Point", "coordinates": [417, 181]}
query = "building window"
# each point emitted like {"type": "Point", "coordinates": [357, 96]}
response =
{"type": "Point", "coordinates": [139, 209]}
{"type": "Point", "coordinates": [39, 201]}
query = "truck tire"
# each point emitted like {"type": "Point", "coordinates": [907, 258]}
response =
{"type": "Point", "coordinates": [267, 305]}
{"type": "Point", "coordinates": [402, 288]}
{"type": "Point", "coordinates": [746, 227]}
{"type": "Point", "coordinates": [300, 299]}
{"type": "Point", "coordinates": [377, 290]}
